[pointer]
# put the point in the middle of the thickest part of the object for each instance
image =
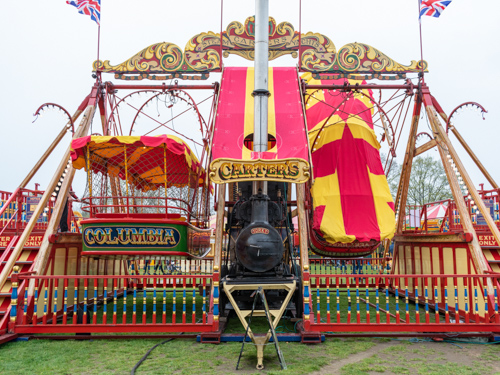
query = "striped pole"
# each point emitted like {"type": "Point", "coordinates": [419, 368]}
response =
{"type": "Point", "coordinates": [65, 308]}
{"type": "Point", "coordinates": [337, 294]}
{"type": "Point", "coordinates": [35, 307]}
{"type": "Point", "coordinates": [45, 301]}
{"type": "Point", "coordinates": [164, 313]}
{"type": "Point", "coordinates": [124, 304]}
{"type": "Point", "coordinates": [115, 300]}
{"type": "Point", "coordinates": [466, 299]}
{"type": "Point", "coordinates": [328, 300]}
{"type": "Point", "coordinates": [318, 302]}
{"type": "Point", "coordinates": [54, 302]}
{"type": "Point", "coordinates": [407, 303]}
{"type": "Point", "coordinates": [144, 300]}
{"type": "Point", "coordinates": [417, 303]}
{"type": "Point", "coordinates": [426, 292]}
{"type": "Point", "coordinates": [85, 297]}
{"type": "Point", "coordinates": [204, 317]}
{"type": "Point", "coordinates": [154, 300]}
{"type": "Point", "coordinates": [94, 317]}
{"type": "Point", "coordinates": [75, 301]}
{"type": "Point", "coordinates": [134, 304]}
{"type": "Point", "coordinates": [194, 303]}
{"type": "Point", "coordinates": [174, 301]}
{"type": "Point", "coordinates": [13, 299]}
{"type": "Point", "coordinates": [184, 301]}
{"type": "Point", "coordinates": [104, 302]}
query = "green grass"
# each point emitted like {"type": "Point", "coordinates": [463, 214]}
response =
{"type": "Point", "coordinates": [189, 357]}
{"type": "Point", "coordinates": [175, 357]}
{"type": "Point", "coordinates": [430, 358]}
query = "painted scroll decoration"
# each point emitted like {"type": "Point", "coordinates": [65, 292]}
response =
{"type": "Point", "coordinates": [202, 55]}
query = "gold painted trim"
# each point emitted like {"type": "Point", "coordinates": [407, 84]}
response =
{"type": "Point", "coordinates": [294, 170]}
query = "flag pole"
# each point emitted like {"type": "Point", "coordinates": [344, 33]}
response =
{"type": "Point", "coordinates": [98, 41]}
{"type": "Point", "coordinates": [98, 44]}
{"type": "Point", "coordinates": [421, 48]}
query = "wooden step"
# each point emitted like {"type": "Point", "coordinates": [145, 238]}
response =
{"type": "Point", "coordinates": [20, 262]}
{"type": "Point", "coordinates": [8, 337]}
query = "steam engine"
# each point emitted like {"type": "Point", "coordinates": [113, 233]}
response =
{"type": "Point", "coordinates": [260, 245]}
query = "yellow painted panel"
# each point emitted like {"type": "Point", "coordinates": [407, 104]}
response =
{"type": "Point", "coordinates": [24, 255]}
{"type": "Point", "coordinates": [448, 260]}
{"type": "Point", "coordinates": [426, 260]}
{"type": "Point", "coordinates": [72, 260]}
{"type": "Point", "coordinates": [7, 287]}
{"type": "Point", "coordinates": [461, 261]}
{"type": "Point", "coordinates": [401, 259]}
{"type": "Point", "coordinates": [418, 269]}
{"type": "Point", "coordinates": [408, 265]}
{"type": "Point", "coordinates": [59, 258]}
{"type": "Point", "coordinates": [435, 265]}
{"type": "Point", "coordinates": [449, 270]}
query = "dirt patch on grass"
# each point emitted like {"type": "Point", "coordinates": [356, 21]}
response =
{"type": "Point", "coordinates": [419, 358]}
{"type": "Point", "coordinates": [334, 367]}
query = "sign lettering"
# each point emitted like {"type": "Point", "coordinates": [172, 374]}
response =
{"type": "Point", "coordinates": [291, 170]}
{"type": "Point", "coordinates": [487, 241]}
{"type": "Point", "coordinates": [259, 230]}
{"type": "Point", "coordinates": [133, 237]}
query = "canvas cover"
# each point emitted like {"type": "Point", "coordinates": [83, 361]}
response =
{"type": "Point", "coordinates": [351, 196]}
{"type": "Point", "coordinates": [147, 159]}
{"type": "Point", "coordinates": [235, 116]}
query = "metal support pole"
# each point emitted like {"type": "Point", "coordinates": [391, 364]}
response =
{"type": "Point", "coordinates": [261, 92]}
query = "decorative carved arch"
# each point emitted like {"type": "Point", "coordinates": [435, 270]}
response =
{"type": "Point", "coordinates": [203, 54]}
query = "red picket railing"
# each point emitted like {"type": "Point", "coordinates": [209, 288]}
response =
{"type": "Point", "coordinates": [348, 266]}
{"type": "Point", "coordinates": [89, 304]}
{"type": "Point", "coordinates": [402, 303]}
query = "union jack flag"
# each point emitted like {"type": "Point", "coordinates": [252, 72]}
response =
{"type": "Point", "coordinates": [91, 8]}
{"type": "Point", "coordinates": [433, 8]}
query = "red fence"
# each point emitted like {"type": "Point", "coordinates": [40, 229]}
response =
{"type": "Point", "coordinates": [86, 304]}
{"type": "Point", "coordinates": [182, 303]}
{"type": "Point", "coordinates": [422, 220]}
{"type": "Point", "coordinates": [395, 303]}
{"type": "Point", "coordinates": [347, 266]}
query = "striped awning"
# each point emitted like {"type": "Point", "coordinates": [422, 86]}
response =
{"type": "Point", "coordinates": [149, 159]}
{"type": "Point", "coordinates": [351, 196]}
{"type": "Point", "coordinates": [235, 116]}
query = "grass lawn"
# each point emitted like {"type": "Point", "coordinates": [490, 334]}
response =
{"type": "Point", "coordinates": [334, 356]}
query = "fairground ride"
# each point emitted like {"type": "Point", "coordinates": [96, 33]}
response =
{"type": "Point", "coordinates": [279, 144]}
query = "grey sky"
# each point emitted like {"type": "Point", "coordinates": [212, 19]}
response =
{"type": "Point", "coordinates": [48, 48]}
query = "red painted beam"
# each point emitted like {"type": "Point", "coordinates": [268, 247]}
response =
{"type": "Point", "coordinates": [102, 328]}
{"type": "Point", "coordinates": [403, 327]}
{"type": "Point", "coordinates": [359, 87]}
{"type": "Point", "coordinates": [163, 87]}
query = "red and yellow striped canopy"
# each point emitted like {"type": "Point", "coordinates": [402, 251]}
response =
{"type": "Point", "coordinates": [235, 116]}
{"type": "Point", "coordinates": [351, 197]}
{"type": "Point", "coordinates": [147, 158]}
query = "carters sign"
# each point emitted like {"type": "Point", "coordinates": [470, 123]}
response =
{"type": "Point", "coordinates": [290, 170]}
{"type": "Point", "coordinates": [125, 237]}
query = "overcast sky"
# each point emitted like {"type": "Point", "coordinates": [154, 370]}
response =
{"type": "Point", "coordinates": [48, 48]}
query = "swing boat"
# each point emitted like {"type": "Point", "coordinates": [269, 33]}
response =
{"type": "Point", "coordinates": [145, 196]}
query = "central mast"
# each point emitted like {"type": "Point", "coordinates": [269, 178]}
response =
{"type": "Point", "coordinates": [261, 92]}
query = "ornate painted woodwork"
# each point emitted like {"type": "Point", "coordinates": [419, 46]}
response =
{"type": "Point", "coordinates": [203, 54]}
